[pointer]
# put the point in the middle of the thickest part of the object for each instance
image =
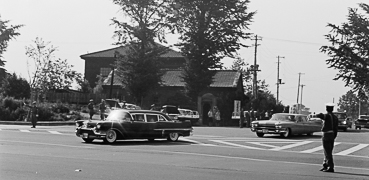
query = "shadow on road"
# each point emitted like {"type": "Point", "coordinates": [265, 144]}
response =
{"type": "Point", "coordinates": [141, 143]}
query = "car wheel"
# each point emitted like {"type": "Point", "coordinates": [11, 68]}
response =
{"type": "Point", "coordinates": [87, 140]}
{"type": "Point", "coordinates": [173, 137]}
{"type": "Point", "coordinates": [111, 136]}
{"type": "Point", "coordinates": [287, 133]}
{"type": "Point", "coordinates": [260, 134]}
{"type": "Point", "coordinates": [310, 134]}
{"type": "Point", "coordinates": [151, 139]}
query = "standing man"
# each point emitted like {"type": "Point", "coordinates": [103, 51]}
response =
{"type": "Point", "coordinates": [33, 113]}
{"type": "Point", "coordinates": [90, 107]}
{"type": "Point", "coordinates": [329, 130]}
{"type": "Point", "coordinates": [217, 116]}
{"type": "Point", "coordinates": [211, 116]}
{"type": "Point", "coordinates": [102, 108]}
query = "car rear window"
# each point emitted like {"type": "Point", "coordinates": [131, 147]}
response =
{"type": "Point", "coordinates": [119, 115]}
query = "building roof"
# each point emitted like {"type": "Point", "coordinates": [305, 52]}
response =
{"type": "Point", "coordinates": [172, 78]}
{"type": "Point", "coordinates": [123, 49]}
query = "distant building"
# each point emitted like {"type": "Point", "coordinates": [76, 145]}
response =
{"type": "Point", "coordinates": [225, 83]}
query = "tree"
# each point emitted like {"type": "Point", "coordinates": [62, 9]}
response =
{"type": "Point", "coordinates": [138, 67]}
{"type": "Point", "coordinates": [84, 85]}
{"type": "Point", "coordinates": [349, 50]}
{"type": "Point", "coordinates": [50, 73]}
{"type": "Point", "coordinates": [349, 103]}
{"type": "Point", "coordinates": [6, 34]}
{"type": "Point", "coordinates": [15, 86]}
{"type": "Point", "coordinates": [209, 31]}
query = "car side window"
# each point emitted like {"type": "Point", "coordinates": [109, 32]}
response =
{"type": "Point", "coordinates": [139, 117]}
{"type": "Point", "coordinates": [151, 118]}
{"type": "Point", "coordinates": [162, 118]}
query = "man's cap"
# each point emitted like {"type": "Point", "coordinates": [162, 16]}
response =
{"type": "Point", "coordinates": [152, 105]}
{"type": "Point", "coordinates": [329, 105]}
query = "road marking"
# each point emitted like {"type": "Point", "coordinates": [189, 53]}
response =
{"type": "Point", "coordinates": [317, 148]}
{"type": "Point", "coordinates": [54, 132]}
{"type": "Point", "coordinates": [261, 144]}
{"type": "Point", "coordinates": [23, 130]}
{"type": "Point", "coordinates": [353, 149]}
{"type": "Point", "coordinates": [237, 145]}
{"type": "Point", "coordinates": [291, 145]}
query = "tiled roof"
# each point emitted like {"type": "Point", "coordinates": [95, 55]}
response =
{"type": "Point", "coordinates": [123, 49]}
{"type": "Point", "coordinates": [222, 78]}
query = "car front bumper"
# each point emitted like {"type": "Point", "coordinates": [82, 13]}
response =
{"type": "Point", "coordinates": [268, 130]}
{"type": "Point", "coordinates": [89, 133]}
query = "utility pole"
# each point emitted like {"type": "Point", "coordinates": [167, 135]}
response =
{"type": "Point", "coordinates": [255, 68]}
{"type": "Point", "coordinates": [298, 93]}
{"type": "Point", "coordinates": [302, 88]}
{"type": "Point", "coordinates": [279, 81]}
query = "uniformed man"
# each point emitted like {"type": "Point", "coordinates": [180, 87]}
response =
{"type": "Point", "coordinates": [329, 131]}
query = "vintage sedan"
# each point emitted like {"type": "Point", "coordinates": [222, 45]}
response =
{"type": "Point", "coordinates": [286, 125]}
{"type": "Point", "coordinates": [133, 124]}
{"type": "Point", "coordinates": [362, 122]}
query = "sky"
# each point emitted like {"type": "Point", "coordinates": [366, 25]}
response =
{"type": "Point", "coordinates": [293, 29]}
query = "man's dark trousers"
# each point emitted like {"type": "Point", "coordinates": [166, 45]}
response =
{"type": "Point", "coordinates": [328, 144]}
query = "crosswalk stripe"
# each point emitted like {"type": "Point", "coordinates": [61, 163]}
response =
{"type": "Point", "coordinates": [317, 148]}
{"type": "Point", "coordinates": [238, 145]}
{"type": "Point", "coordinates": [261, 144]}
{"type": "Point", "coordinates": [23, 130]}
{"type": "Point", "coordinates": [54, 132]}
{"type": "Point", "coordinates": [291, 145]}
{"type": "Point", "coordinates": [353, 149]}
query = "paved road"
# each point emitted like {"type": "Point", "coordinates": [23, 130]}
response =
{"type": "Point", "coordinates": [212, 153]}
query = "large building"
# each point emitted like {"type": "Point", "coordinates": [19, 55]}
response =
{"type": "Point", "coordinates": [226, 86]}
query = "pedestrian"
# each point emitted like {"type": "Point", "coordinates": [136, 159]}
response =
{"type": "Point", "coordinates": [329, 130]}
{"type": "Point", "coordinates": [217, 116]}
{"type": "Point", "coordinates": [210, 115]}
{"type": "Point", "coordinates": [33, 113]}
{"type": "Point", "coordinates": [102, 108]}
{"type": "Point", "coordinates": [90, 107]}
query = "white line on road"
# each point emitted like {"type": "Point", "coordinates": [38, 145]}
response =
{"type": "Point", "coordinates": [317, 148]}
{"type": "Point", "coordinates": [291, 145]}
{"type": "Point", "coordinates": [238, 145]}
{"type": "Point", "coordinates": [353, 149]}
{"type": "Point", "coordinates": [48, 144]}
{"type": "Point", "coordinates": [261, 144]}
{"type": "Point", "coordinates": [24, 130]}
{"type": "Point", "coordinates": [54, 132]}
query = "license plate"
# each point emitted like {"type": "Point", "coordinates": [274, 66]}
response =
{"type": "Point", "coordinates": [85, 135]}
{"type": "Point", "coordinates": [265, 130]}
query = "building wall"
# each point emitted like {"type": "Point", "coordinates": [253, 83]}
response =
{"type": "Point", "coordinates": [92, 68]}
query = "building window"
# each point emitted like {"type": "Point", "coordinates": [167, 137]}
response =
{"type": "Point", "coordinates": [104, 72]}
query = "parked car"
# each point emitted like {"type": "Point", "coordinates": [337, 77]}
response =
{"type": "Point", "coordinates": [286, 125]}
{"type": "Point", "coordinates": [171, 111]}
{"type": "Point", "coordinates": [133, 124]}
{"type": "Point", "coordinates": [362, 122]}
{"type": "Point", "coordinates": [343, 121]}
{"type": "Point", "coordinates": [112, 104]}
{"type": "Point", "coordinates": [188, 114]}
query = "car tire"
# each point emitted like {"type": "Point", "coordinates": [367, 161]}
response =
{"type": "Point", "coordinates": [88, 140]}
{"type": "Point", "coordinates": [173, 137]}
{"type": "Point", "coordinates": [310, 134]}
{"type": "Point", "coordinates": [287, 133]}
{"type": "Point", "coordinates": [260, 134]}
{"type": "Point", "coordinates": [111, 136]}
{"type": "Point", "coordinates": [151, 139]}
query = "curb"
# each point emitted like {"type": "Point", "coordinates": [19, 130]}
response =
{"type": "Point", "coordinates": [39, 123]}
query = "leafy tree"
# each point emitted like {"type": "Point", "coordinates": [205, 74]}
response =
{"type": "Point", "coordinates": [350, 104]}
{"type": "Point", "coordinates": [209, 31]}
{"type": "Point", "coordinates": [6, 34]}
{"type": "Point", "coordinates": [349, 49]}
{"type": "Point", "coordinates": [138, 67]}
{"type": "Point", "coordinates": [98, 89]}
{"type": "Point", "coordinates": [49, 73]}
{"type": "Point", "coordinates": [15, 86]}
{"type": "Point", "coordinates": [84, 85]}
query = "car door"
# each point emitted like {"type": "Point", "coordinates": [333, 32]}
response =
{"type": "Point", "coordinates": [150, 126]}
{"type": "Point", "coordinates": [299, 126]}
{"type": "Point", "coordinates": [137, 126]}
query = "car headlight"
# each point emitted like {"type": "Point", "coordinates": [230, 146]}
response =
{"type": "Point", "coordinates": [343, 122]}
{"type": "Point", "coordinates": [98, 126]}
{"type": "Point", "coordinates": [254, 124]}
{"type": "Point", "coordinates": [278, 127]}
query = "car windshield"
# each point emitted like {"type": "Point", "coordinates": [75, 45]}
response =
{"type": "Point", "coordinates": [118, 116]}
{"type": "Point", "coordinates": [171, 110]}
{"type": "Point", "coordinates": [364, 117]}
{"type": "Point", "coordinates": [283, 117]}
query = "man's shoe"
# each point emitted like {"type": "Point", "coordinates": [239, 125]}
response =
{"type": "Point", "coordinates": [323, 169]}
{"type": "Point", "coordinates": [329, 170]}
